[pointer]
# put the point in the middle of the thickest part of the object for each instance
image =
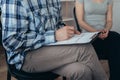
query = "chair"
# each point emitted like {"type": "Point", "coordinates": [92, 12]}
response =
{"type": "Point", "coordinates": [0, 31]}
{"type": "Point", "coordinates": [77, 24]}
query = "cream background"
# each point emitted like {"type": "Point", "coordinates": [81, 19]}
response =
{"type": "Point", "coordinates": [116, 15]}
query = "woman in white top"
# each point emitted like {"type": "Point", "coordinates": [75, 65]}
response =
{"type": "Point", "coordinates": [96, 15]}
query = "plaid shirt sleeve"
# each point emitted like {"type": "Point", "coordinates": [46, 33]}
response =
{"type": "Point", "coordinates": [16, 34]}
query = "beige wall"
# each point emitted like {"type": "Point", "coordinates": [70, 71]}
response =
{"type": "Point", "coordinates": [116, 16]}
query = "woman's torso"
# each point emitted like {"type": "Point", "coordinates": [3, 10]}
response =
{"type": "Point", "coordinates": [95, 13]}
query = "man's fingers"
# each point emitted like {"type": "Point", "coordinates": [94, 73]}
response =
{"type": "Point", "coordinates": [77, 32]}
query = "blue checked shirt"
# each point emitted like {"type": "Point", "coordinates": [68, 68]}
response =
{"type": "Point", "coordinates": [28, 25]}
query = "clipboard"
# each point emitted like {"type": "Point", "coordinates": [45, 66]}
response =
{"type": "Point", "coordinates": [83, 38]}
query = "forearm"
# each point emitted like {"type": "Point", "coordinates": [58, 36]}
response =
{"type": "Point", "coordinates": [109, 19]}
{"type": "Point", "coordinates": [86, 26]}
{"type": "Point", "coordinates": [27, 41]}
{"type": "Point", "coordinates": [108, 25]}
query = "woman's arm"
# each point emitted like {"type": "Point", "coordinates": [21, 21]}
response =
{"type": "Point", "coordinates": [109, 17]}
{"type": "Point", "coordinates": [108, 25]}
{"type": "Point", "coordinates": [80, 16]}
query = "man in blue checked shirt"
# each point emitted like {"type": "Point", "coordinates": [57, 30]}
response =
{"type": "Point", "coordinates": [28, 25]}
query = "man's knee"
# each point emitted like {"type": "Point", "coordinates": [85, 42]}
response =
{"type": "Point", "coordinates": [82, 72]}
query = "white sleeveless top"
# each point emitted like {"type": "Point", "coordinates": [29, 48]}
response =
{"type": "Point", "coordinates": [95, 13]}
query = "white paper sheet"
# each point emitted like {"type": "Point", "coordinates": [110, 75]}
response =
{"type": "Point", "coordinates": [78, 39]}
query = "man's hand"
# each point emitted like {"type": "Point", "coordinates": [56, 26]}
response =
{"type": "Point", "coordinates": [77, 32]}
{"type": "Point", "coordinates": [65, 32]}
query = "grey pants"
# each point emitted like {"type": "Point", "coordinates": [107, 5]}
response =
{"type": "Point", "coordinates": [77, 62]}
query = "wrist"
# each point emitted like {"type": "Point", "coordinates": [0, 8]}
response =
{"type": "Point", "coordinates": [108, 29]}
